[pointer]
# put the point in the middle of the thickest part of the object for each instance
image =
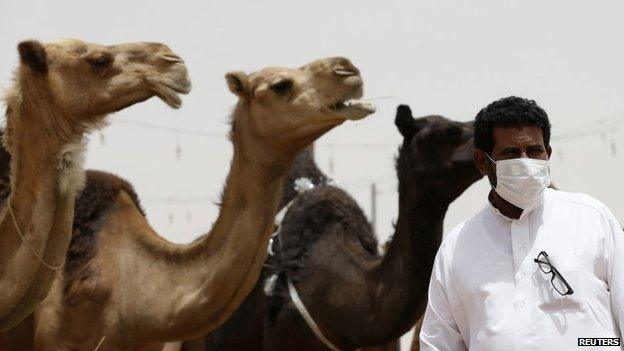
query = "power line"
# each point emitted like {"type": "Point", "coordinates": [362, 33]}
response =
{"type": "Point", "coordinates": [355, 182]}
{"type": "Point", "coordinates": [174, 199]}
{"type": "Point", "coordinates": [600, 121]}
{"type": "Point", "coordinates": [216, 135]}
{"type": "Point", "coordinates": [176, 130]}
{"type": "Point", "coordinates": [357, 145]}
{"type": "Point", "coordinates": [602, 129]}
{"type": "Point", "coordinates": [599, 126]}
{"type": "Point", "coordinates": [611, 126]}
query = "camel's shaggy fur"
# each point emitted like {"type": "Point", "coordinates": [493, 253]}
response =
{"type": "Point", "coordinates": [92, 204]}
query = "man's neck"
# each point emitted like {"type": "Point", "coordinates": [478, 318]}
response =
{"type": "Point", "coordinates": [503, 206]}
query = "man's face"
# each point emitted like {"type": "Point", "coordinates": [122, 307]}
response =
{"type": "Point", "coordinates": [512, 143]}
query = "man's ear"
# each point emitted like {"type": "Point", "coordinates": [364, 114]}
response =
{"type": "Point", "coordinates": [238, 82]}
{"type": "Point", "coordinates": [33, 55]}
{"type": "Point", "coordinates": [481, 161]}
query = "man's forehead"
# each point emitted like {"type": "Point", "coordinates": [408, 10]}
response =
{"type": "Point", "coordinates": [517, 136]}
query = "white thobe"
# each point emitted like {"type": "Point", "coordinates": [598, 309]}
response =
{"type": "Point", "coordinates": [487, 293]}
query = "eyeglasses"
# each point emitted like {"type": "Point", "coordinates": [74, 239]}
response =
{"type": "Point", "coordinates": [557, 280]}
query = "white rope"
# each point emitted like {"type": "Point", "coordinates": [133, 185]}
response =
{"type": "Point", "coordinates": [308, 318]}
{"type": "Point", "coordinates": [55, 269]}
{"type": "Point", "coordinates": [99, 343]}
{"type": "Point", "coordinates": [302, 185]}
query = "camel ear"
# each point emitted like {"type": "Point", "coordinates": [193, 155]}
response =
{"type": "Point", "coordinates": [405, 121]}
{"type": "Point", "coordinates": [33, 55]}
{"type": "Point", "coordinates": [238, 82]}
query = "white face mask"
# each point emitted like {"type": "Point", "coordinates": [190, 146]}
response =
{"type": "Point", "coordinates": [521, 181]}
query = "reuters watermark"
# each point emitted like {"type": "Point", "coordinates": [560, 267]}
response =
{"type": "Point", "coordinates": [599, 342]}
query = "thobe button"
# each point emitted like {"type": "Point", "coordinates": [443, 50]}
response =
{"type": "Point", "coordinates": [519, 246]}
{"type": "Point", "coordinates": [521, 276]}
{"type": "Point", "coordinates": [520, 304]}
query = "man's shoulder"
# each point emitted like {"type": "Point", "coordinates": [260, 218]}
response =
{"type": "Point", "coordinates": [558, 197]}
{"type": "Point", "coordinates": [467, 227]}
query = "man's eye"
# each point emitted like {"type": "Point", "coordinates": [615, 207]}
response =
{"type": "Point", "coordinates": [535, 151]}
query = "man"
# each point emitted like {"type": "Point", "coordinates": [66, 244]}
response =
{"type": "Point", "coordinates": [538, 268]}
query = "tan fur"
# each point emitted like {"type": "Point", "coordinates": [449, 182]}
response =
{"type": "Point", "coordinates": [148, 291]}
{"type": "Point", "coordinates": [61, 91]}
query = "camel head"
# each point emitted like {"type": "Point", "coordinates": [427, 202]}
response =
{"type": "Point", "coordinates": [290, 107]}
{"type": "Point", "coordinates": [439, 152]}
{"type": "Point", "coordinates": [87, 81]}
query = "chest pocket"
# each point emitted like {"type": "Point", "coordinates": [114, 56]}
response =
{"type": "Point", "coordinates": [552, 301]}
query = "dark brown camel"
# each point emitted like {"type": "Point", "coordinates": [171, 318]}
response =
{"type": "Point", "coordinates": [357, 297]}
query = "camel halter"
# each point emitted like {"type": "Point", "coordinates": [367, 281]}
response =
{"type": "Point", "coordinates": [307, 317]}
{"type": "Point", "coordinates": [55, 269]}
{"type": "Point", "coordinates": [302, 185]}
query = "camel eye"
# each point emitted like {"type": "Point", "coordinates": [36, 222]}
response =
{"type": "Point", "coordinates": [101, 60]}
{"type": "Point", "coordinates": [283, 86]}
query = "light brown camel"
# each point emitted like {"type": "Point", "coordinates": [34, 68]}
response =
{"type": "Point", "coordinates": [61, 91]}
{"type": "Point", "coordinates": [136, 289]}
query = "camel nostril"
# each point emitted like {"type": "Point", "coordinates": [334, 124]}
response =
{"type": "Point", "coordinates": [172, 58]}
{"type": "Point", "coordinates": [346, 71]}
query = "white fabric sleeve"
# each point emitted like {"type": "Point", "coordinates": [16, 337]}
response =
{"type": "Point", "coordinates": [439, 329]}
{"type": "Point", "coordinates": [615, 277]}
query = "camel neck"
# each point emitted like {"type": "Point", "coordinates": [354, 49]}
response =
{"type": "Point", "coordinates": [252, 192]}
{"type": "Point", "coordinates": [37, 137]}
{"type": "Point", "coordinates": [215, 274]}
{"type": "Point", "coordinates": [406, 267]}
{"type": "Point", "coordinates": [42, 211]}
{"type": "Point", "coordinates": [421, 214]}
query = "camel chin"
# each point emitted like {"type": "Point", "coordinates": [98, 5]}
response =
{"type": "Point", "coordinates": [354, 109]}
{"type": "Point", "coordinates": [169, 96]}
{"type": "Point", "coordinates": [169, 87]}
{"type": "Point", "coordinates": [169, 92]}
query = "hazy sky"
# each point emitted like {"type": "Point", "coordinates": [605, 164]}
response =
{"type": "Point", "coordinates": [449, 58]}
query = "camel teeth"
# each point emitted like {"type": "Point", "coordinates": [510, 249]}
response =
{"type": "Point", "coordinates": [357, 103]}
{"type": "Point", "coordinates": [352, 103]}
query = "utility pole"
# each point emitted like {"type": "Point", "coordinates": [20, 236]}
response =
{"type": "Point", "coordinates": [374, 207]}
{"type": "Point", "coordinates": [331, 161]}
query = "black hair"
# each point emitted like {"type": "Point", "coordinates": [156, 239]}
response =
{"type": "Point", "coordinates": [511, 111]}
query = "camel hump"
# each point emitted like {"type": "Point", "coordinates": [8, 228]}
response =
{"type": "Point", "coordinates": [99, 195]}
{"type": "Point", "coordinates": [327, 210]}
{"type": "Point", "coordinates": [92, 205]}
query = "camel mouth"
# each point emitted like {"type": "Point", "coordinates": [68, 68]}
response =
{"type": "Point", "coordinates": [169, 96]}
{"type": "Point", "coordinates": [353, 109]}
{"type": "Point", "coordinates": [169, 92]}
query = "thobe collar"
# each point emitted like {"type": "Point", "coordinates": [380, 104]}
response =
{"type": "Point", "coordinates": [525, 213]}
